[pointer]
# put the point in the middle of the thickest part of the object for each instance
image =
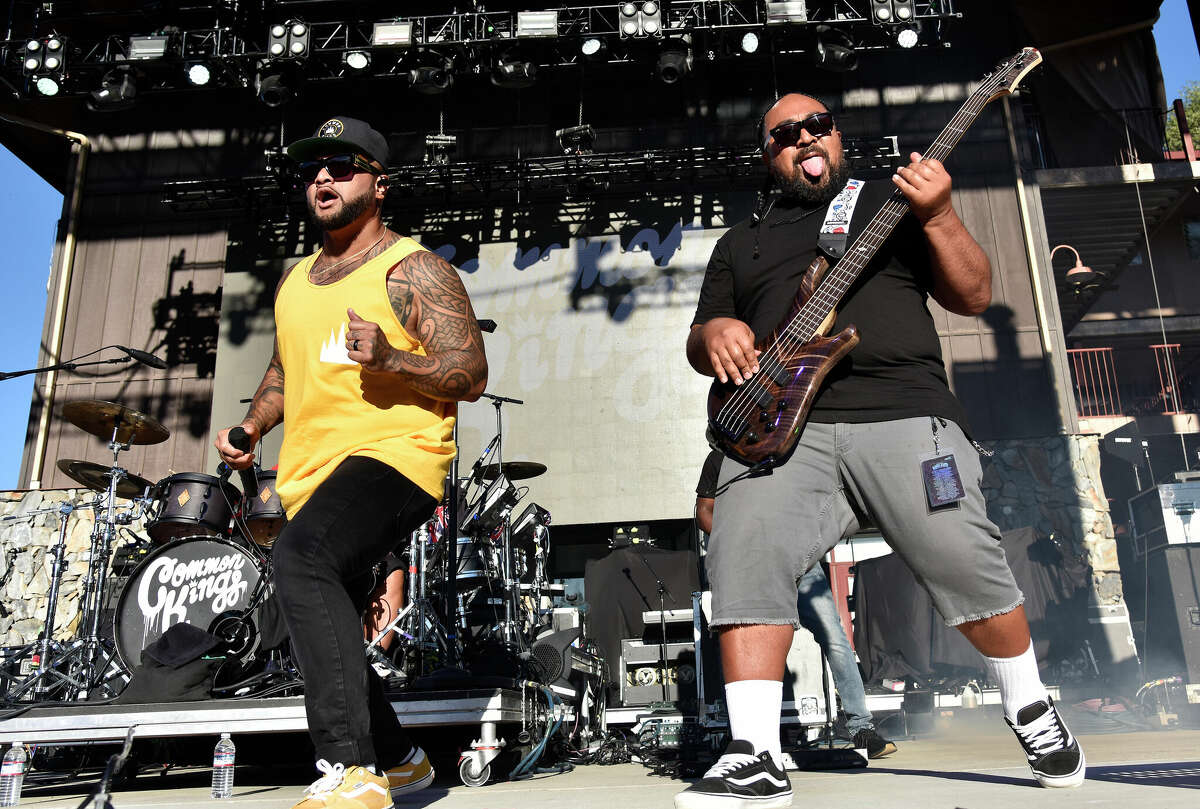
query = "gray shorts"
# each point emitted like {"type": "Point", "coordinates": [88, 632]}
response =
{"type": "Point", "coordinates": [769, 530]}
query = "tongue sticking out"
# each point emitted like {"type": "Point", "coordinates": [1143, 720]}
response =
{"type": "Point", "coordinates": [813, 166]}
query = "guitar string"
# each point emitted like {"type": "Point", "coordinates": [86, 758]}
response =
{"type": "Point", "coordinates": [876, 232]}
{"type": "Point", "coordinates": [873, 236]}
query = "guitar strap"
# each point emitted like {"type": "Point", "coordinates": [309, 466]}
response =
{"type": "Point", "coordinates": [835, 230]}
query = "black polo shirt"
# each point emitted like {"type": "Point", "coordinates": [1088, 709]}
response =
{"type": "Point", "coordinates": [896, 370]}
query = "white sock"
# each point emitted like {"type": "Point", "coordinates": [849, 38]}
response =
{"type": "Point", "coordinates": [754, 709]}
{"type": "Point", "coordinates": [1019, 681]}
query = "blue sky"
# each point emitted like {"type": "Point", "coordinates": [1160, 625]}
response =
{"type": "Point", "coordinates": [30, 210]}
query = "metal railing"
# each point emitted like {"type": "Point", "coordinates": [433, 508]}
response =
{"type": "Point", "coordinates": [1095, 377]}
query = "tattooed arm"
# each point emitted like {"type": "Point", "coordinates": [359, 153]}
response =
{"type": "Point", "coordinates": [428, 297]}
{"type": "Point", "coordinates": [266, 408]}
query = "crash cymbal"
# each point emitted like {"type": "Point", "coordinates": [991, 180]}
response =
{"type": "Point", "coordinates": [515, 470]}
{"type": "Point", "coordinates": [95, 477]}
{"type": "Point", "coordinates": [99, 418]}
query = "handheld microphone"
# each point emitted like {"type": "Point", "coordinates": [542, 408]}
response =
{"type": "Point", "coordinates": [238, 438]}
{"type": "Point", "coordinates": [145, 358]}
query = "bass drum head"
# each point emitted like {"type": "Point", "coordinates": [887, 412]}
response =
{"type": "Point", "coordinates": [203, 581]}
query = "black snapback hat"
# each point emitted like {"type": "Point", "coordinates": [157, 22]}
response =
{"type": "Point", "coordinates": [342, 135]}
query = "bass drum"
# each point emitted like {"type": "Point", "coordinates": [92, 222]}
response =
{"type": "Point", "coordinates": [207, 582]}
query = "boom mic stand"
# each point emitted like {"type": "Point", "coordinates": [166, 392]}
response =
{"type": "Point", "coordinates": [663, 592]}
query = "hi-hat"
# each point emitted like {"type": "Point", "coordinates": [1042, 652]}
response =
{"type": "Point", "coordinates": [95, 476]}
{"type": "Point", "coordinates": [515, 470]}
{"type": "Point", "coordinates": [100, 418]}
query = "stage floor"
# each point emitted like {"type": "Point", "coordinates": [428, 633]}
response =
{"type": "Point", "coordinates": [967, 764]}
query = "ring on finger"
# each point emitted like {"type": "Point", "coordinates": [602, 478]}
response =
{"type": "Point", "coordinates": [354, 345]}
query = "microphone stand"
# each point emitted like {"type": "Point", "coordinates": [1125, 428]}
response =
{"type": "Point", "coordinates": [663, 592]}
{"type": "Point", "coordinates": [61, 366]}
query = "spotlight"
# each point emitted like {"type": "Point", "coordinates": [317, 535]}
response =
{"type": "Point", "coordinates": [118, 91]}
{"type": "Point", "coordinates": [395, 34]}
{"type": "Point", "coordinates": [47, 85]}
{"type": "Point", "coordinates": [640, 19]}
{"type": "Point", "coordinates": [357, 61]}
{"type": "Point", "coordinates": [576, 139]}
{"type": "Point", "coordinates": [292, 39]}
{"type": "Point", "coordinates": [749, 42]}
{"type": "Point", "coordinates": [881, 11]}
{"type": "Point", "coordinates": [537, 23]}
{"type": "Point", "coordinates": [673, 64]}
{"type": "Point", "coordinates": [593, 48]}
{"type": "Point", "coordinates": [45, 56]}
{"type": "Point", "coordinates": [431, 80]}
{"type": "Point", "coordinates": [834, 50]}
{"type": "Point", "coordinates": [440, 148]}
{"type": "Point", "coordinates": [276, 84]}
{"type": "Point", "coordinates": [903, 10]}
{"type": "Point", "coordinates": [907, 36]}
{"type": "Point", "coordinates": [148, 47]}
{"type": "Point", "coordinates": [198, 74]}
{"type": "Point", "coordinates": [783, 13]}
{"type": "Point", "coordinates": [514, 74]}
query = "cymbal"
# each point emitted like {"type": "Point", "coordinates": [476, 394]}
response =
{"type": "Point", "coordinates": [99, 418]}
{"type": "Point", "coordinates": [515, 470]}
{"type": "Point", "coordinates": [95, 477]}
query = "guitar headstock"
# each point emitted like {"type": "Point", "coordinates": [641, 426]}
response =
{"type": "Point", "coordinates": [1008, 74]}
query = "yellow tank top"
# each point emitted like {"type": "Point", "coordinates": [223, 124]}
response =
{"type": "Point", "coordinates": [332, 408]}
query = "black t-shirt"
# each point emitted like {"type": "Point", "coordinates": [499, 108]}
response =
{"type": "Point", "coordinates": [896, 370]}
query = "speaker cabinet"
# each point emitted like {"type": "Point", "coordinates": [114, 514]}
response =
{"type": "Point", "coordinates": [1173, 632]}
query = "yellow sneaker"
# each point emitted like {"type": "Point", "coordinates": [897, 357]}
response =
{"type": "Point", "coordinates": [414, 773]}
{"type": "Point", "coordinates": [339, 788]}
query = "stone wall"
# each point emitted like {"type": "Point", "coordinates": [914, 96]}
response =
{"type": "Point", "coordinates": [29, 526]}
{"type": "Point", "coordinates": [1053, 484]}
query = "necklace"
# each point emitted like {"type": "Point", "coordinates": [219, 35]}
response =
{"type": "Point", "coordinates": [329, 267]}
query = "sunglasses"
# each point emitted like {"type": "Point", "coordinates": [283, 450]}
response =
{"type": "Point", "coordinates": [819, 124]}
{"type": "Point", "coordinates": [340, 167]}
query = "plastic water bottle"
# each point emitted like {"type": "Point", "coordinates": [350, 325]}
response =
{"type": "Point", "coordinates": [12, 775]}
{"type": "Point", "coordinates": [222, 776]}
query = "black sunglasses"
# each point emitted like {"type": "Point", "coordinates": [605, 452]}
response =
{"type": "Point", "coordinates": [340, 167]}
{"type": "Point", "coordinates": [819, 124]}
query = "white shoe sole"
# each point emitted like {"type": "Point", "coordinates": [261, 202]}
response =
{"type": "Point", "coordinates": [1065, 781]}
{"type": "Point", "coordinates": [413, 787]}
{"type": "Point", "coordinates": [697, 800]}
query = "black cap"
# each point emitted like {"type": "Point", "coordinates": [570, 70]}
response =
{"type": "Point", "coordinates": [342, 135]}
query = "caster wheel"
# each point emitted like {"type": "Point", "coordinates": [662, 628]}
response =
{"type": "Point", "coordinates": [468, 775]}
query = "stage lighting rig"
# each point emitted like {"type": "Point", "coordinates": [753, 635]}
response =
{"type": "Point", "coordinates": [395, 34]}
{"type": "Point", "coordinates": [537, 23]}
{"type": "Point", "coordinates": [640, 20]}
{"type": "Point", "coordinates": [892, 12]}
{"type": "Point", "coordinates": [45, 64]}
{"type": "Point", "coordinates": [145, 48]}
{"type": "Point", "coordinates": [290, 40]}
{"type": "Point", "coordinates": [674, 62]}
{"type": "Point", "coordinates": [907, 36]}
{"type": "Point", "coordinates": [593, 49]}
{"type": "Point", "coordinates": [118, 91]}
{"type": "Point", "coordinates": [357, 62]}
{"type": "Point", "coordinates": [793, 11]}
{"type": "Point", "coordinates": [440, 148]}
{"type": "Point", "coordinates": [432, 79]}
{"type": "Point", "coordinates": [576, 139]}
{"type": "Point", "coordinates": [198, 74]}
{"type": "Point", "coordinates": [514, 73]}
{"type": "Point", "coordinates": [834, 50]}
{"type": "Point", "coordinates": [277, 83]}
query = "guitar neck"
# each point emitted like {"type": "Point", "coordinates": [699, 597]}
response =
{"type": "Point", "coordinates": [864, 248]}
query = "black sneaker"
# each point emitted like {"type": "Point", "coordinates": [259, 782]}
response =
{"type": "Point", "coordinates": [1054, 754]}
{"type": "Point", "coordinates": [875, 745]}
{"type": "Point", "coordinates": [739, 779]}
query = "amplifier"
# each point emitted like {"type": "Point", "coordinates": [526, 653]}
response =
{"type": "Point", "coordinates": [641, 673]}
{"type": "Point", "coordinates": [1173, 614]}
{"type": "Point", "coordinates": [1166, 515]}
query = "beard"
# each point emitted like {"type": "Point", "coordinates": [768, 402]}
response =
{"type": "Point", "coordinates": [351, 210]}
{"type": "Point", "coordinates": [800, 188]}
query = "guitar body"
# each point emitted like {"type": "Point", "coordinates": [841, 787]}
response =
{"type": "Point", "coordinates": [760, 421]}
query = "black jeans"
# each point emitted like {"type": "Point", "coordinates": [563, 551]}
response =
{"type": "Point", "coordinates": [322, 562]}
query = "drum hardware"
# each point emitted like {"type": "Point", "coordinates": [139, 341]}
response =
{"type": "Point", "coordinates": [116, 422]}
{"type": "Point", "coordinates": [491, 507]}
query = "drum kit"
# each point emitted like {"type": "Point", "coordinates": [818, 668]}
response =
{"type": "Point", "coordinates": [206, 561]}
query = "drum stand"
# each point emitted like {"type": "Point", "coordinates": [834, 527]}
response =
{"type": "Point", "coordinates": [509, 631]}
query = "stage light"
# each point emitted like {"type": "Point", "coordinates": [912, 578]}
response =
{"type": "Point", "coordinates": [198, 74]}
{"type": "Point", "coordinates": [514, 74]}
{"type": "Point", "coordinates": [673, 63]}
{"type": "Point", "coordinates": [576, 139]}
{"type": "Point", "coordinates": [749, 42]}
{"type": "Point", "coordinates": [357, 61]}
{"type": "Point", "coordinates": [32, 63]}
{"type": "Point", "coordinates": [148, 47]}
{"type": "Point", "coordinates": [834, 50]}
{"type": "Point", "coordinates": [118, 91]}
{"type": "Point", "coordinates": [593, 48]}
{"type": "Point", "coordinates": [907, 36]}
{"type": "Point", "coordinates": [881, 11]}
{"type": "Point", "coordinates": [641, 19]}
{"type": "Point", "coordinates": [440, 148]}
{"type": "Point", "coordinates": [291, 39]}
{"type": "Point", "coordinates": [902, 10]}
{"type": "Point", "coordinates": [537, 23]}
{"type": "Point", "coordinates": [47, 85]}
{"type": "Point", "coordinates": [431, 80]}
{"type": "Point", "coordinates": [46, 56]}
{"type": "Point", "coordinates": [277, 84]}
{"type": "Point", "coordinates": [393, 34]}
{"type": "Point", "coordinates": [789, 12]}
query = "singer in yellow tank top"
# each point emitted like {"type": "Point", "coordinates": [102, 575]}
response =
{"type": "Point", "coordinates": [333, 408]}
{"type": "Point", "coordinates": [375, 343]}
